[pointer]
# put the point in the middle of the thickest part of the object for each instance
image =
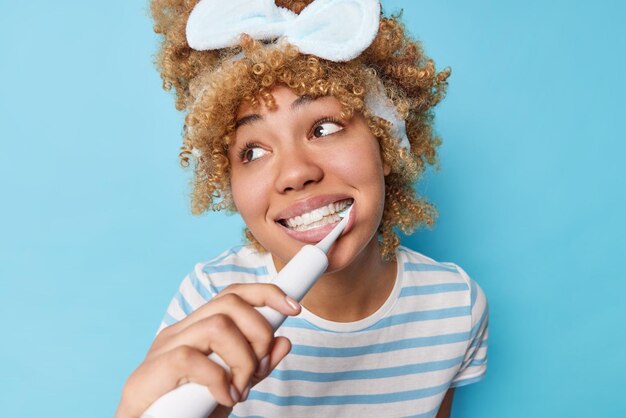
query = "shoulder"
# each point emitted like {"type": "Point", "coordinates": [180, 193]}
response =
{"type": "Point", "coordinates": [437, 276]}
{"type": "Point", "coordinates": [411, 261]}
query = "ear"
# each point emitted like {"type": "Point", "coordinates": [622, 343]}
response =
{"type": "Point", "coordinates": [386, 169]}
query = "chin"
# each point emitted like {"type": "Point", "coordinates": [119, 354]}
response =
{"type": "Point", "coordinates": [343, 254]}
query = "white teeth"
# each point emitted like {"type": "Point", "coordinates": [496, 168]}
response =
{"type": "Point", "coordinates": [330, 219]}
{"type": "Point", "coordinates": [317, 217]}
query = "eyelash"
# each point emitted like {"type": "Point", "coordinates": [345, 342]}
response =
{"type": "Point", "coordinates": [325, 120]}
{"type": "Point", "coordinates": [249, 145]}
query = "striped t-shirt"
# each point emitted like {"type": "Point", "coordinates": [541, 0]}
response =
{"type": "Point", "coordinates": [429, 335]}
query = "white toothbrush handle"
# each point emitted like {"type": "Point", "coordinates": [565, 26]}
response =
{"type": "Point", "coordinates": [192, 400]}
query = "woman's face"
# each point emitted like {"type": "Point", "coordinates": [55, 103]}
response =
{"type": "Point", "coordinates": [296, 165]}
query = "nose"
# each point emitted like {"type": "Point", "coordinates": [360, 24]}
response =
{"type": "Point", "coordinates": [297, 169]}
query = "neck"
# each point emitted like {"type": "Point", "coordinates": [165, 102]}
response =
{"type": "Point", "coordinates": [354, 292]}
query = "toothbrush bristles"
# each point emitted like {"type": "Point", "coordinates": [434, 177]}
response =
{"type": "Point", "coordinates": [329, 239]}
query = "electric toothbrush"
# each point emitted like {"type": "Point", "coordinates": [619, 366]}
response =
{"type": "Point", "coordinates": [192, 400]}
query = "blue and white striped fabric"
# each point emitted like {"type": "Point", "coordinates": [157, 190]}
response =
{"type": "Point", "coordinates": [430, 335]}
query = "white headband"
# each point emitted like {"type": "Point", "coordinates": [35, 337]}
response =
{"type": "Point", "coordinates": [336, 30]}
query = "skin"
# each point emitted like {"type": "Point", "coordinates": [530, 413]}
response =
{"type": "Point", "coordinates": [292, 166]}
{"type": "Point", "coordinates": [446, 405]}
{"type": "Point", "coordinates": [227, 325]}
{"type": "Point", "coordinates": [284, 161]}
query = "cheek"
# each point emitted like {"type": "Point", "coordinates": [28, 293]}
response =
{"type": "Point", "coordinates": [360, 165]}
{"type": "Point", "coordinates": [249, 195]}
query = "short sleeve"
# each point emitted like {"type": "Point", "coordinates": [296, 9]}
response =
{"type": "Point", "coordinates": [474, 366]}
{"type": "Point", "coordinates": [194, 291]}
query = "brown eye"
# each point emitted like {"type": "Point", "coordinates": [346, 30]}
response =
{"type": "Point", "coordinates": [326, 128]}
{"type": "Point", "coordinates": [252, 153]}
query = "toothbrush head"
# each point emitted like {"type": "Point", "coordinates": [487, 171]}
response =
{"type": "Point", "coordinates": [332, 236]}
{"type": "Point", "coordinates": [345, 212]}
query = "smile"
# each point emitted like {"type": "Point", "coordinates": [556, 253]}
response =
{"type": "Point", "coordinates": [316, 218]}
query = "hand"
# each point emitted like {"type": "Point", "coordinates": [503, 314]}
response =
{"type": "Point", "coordinates": [227, 325]}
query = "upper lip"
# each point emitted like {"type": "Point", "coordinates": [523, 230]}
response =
{"type": "Point", "coordinates": [308, 205]}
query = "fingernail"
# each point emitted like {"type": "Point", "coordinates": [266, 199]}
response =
{"type": "Point", "coordinates": [293, 303]}
{"type": "Point", "coordinates": [264, 364]}
{"type": "Point", "coordinates": [246, 391]}
{"type": "Point", "coordinates": [234, 394]}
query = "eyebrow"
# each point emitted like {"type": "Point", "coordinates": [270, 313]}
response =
{"type": "Point", "coordinates": [297, 104]}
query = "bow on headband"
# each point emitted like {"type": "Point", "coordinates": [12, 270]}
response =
{"type": "Point", "coordinates": [336, 30]}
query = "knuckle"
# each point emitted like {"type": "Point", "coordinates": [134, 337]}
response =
{"type": "Point", "coordinates": [244, 366]}
{"type": "Point", "coordinates": [231, 299]}
{"type": "Point", "coordinates": [234, 299]}
{"type": "Point", "coordinates": [129, 386]}
{"type": "Point", "coordinates": [218, 322]}
{"type": "Point", "coordinates": [162, 338]}
{"type": "Point", "coordinates": [275, 289]}
{"type": "Point", "coordinates": [266, 336]}
{"type": "Point", "coordinates": [182, 356]}
{"type": "Point", "coordinates": [230, 289]}
{"type": "Point", "coordinates": [248, 365]}
{"type": "Point", "coordinates": [164, 333]}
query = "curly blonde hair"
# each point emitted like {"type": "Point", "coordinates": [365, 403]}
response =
{"type": "Point", "coordinates": [211, 85]}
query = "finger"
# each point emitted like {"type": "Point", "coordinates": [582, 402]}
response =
{"type": "Point", "coordinates": [280, 349]}
{"type": "Point", "coordinates": [199, 369]}
{"type": "Point", "coordinates": [164, 373]}
{"type": "Point", "coordinates": [264, 294]}
{"type": "Point", "coordinates": [219, 334]}
{"type": "Point", "coordinates": [251, 323]}
{"type": "Point", "coordinates": [224, 338]}
{"type": "Point", "coordinates": [255, 294]}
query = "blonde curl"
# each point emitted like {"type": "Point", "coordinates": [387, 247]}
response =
{"type": "Point", "coordinates": [210, 86]}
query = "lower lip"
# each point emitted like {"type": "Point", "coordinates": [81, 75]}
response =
{"type": "Point", "coordinates": [315, 235]}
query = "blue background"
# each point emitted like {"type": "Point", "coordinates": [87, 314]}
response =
{"type": "Point", "coordinates": [96, 231]}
